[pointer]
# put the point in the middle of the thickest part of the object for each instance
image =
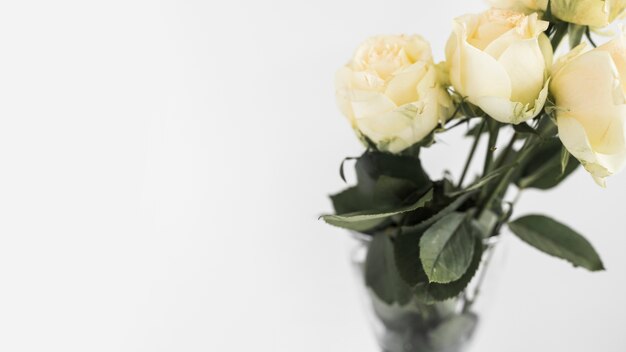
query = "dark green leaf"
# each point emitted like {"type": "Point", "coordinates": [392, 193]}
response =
{"type": "Point", "coordinates": [433, 292]}
{"type": "Point", "coordinates": [364, 220]}
{"type": "Point", "coordinates": [575, 33]}
{"type": "Point", "coordinates": [390, 192]}
{"type": "Point", "coordinates": [389, 179]}
{"type": "Point", "coordinates": [523, 128]}
{"type": "Point", "coordinates": [554, 238]}
{"type": "Point", "coordinates": [547, 127]}
{"type": "Point", "coordinates": [548, 16]}
{"type": "Point", "coordinates": [448, 185]}
{"type": "Point", "coordinates": [413, 151]}
{"type": "Point", "coordinates": [407, 255]}
{"type": "Point", "coordinates": [351, 200]}
{"type": "Point", "coordinates": [449, 208]}
{"type": "Point", "coordinates": [381, 274]}
{"type": "Point", "coordinates": [407, 249]}
{"type": "Point", "coordinates": [446, 248]}
{"type": "Point", "coordinates": [371, 165]}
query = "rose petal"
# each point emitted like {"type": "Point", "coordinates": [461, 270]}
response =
{"type": "Point", "coordinates": [586, 88]}
{"type": "Point", "coordinates": [402, 88]}
{"type": "Point", "coordinates": [481, 75]}
{"type": "Point", "coordinates": [546, 50]}
{"type": "Point", "coordinates": [506, 111]}
{"type": "Point", "coordinates": [574, 138]}
{"type": "Point", "coordinates": [366, 104]}
{"type": "Point", "coordinates": [525, 64]}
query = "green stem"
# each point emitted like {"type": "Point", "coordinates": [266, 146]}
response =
{"type": "Point", "coordinates": [505, 153]}
{"type": "Point", "coordinates": [494, 130]}
{"type": "Point", "coordinates": [500, 161]}
{"type": "Point", "coordinates": [546, 129]}
{"type": "Point", "coordinates": [470, 156]}
{"type": "Point", "coordinates": [503, 185]}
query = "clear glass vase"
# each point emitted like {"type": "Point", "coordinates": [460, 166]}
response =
{"type": "Point", "coordinates": [441, 327]}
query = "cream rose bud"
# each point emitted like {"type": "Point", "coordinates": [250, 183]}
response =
{"type": "Point", "coordinates": [391, 93]}
{"type": "Point", "coordinates": [589, 91]}
{"type": "Point", "coordinates": [520, 5]}
{"type": "Point", "coordinates": [500, 60]}
{"type": "Point", "coordinates": [595, 13]}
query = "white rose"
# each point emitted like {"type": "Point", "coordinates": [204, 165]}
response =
{"type": "Point", "coordinates": [390, 92]}
{"type": "Point", "coordinates": [589, 90]}
{"type": "Point", "coordinates": [500, 60]}
{"type": "Point", "coordinates": [595, 13]}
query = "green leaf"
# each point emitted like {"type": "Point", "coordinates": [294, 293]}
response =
{"type": "Point", "coordinates": [364, 220]}
{"type": "Point", "coordinates": [413, 151]}
{"type": "Point", "coordinates": [433, 292]}
{"type": "Point", "coordinates": [386, 183]}
{"type": "Point", "coordinates": [447, 185]}
{"type": "Point", "coordinates": [381, 274]}
{"type": "Point", "coordinates": [589, 38]}
{"type": "Point", "coordinates": [341, 171]}
{"type": "Point", "coordinates": [556, 239]}
{"type": "Point", "coordinates": [575, 33]}
{"type": "Point", "coordinates": [480, 183]}
{"type": "Point", "coordinates": [446, 248]}
{"type": "Point", "coordinates": [548, 16]}
{"type": "Point", "coordinates": [411, 271]}
{"type": "Point", "coordinates": [351, 200]}
{"type": "Point", "coordinates": [523, 128]}
{"type": "Point", "coordinates": [449, 208]}
{"type": "Point", "coordinates": [391, 192]}
{"type": "Point", "coordinates": [407, 256]}
{"type": "Point", "coordinates": [371, 165]}
{"type": "Point", "coordinates": [407, 249]}
{"type": "Point", "coordinates": [388, 193]}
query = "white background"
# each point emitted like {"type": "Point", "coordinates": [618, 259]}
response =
{"type": "Point", "coordinates": [163, 164]}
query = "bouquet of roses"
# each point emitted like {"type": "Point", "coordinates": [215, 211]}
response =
{"type": "Point", "coordinates": [540, 119]}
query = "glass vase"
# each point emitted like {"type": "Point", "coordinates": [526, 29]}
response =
{"type": "Point", "coordinates": [446, 326]}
